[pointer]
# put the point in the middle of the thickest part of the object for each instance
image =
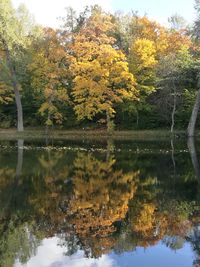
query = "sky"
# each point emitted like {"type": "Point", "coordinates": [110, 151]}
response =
{"type": "Point", "coordinates": [46, 12]}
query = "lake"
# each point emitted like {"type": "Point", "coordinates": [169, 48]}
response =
{"type": "Point", "coordinates": [97, 203]}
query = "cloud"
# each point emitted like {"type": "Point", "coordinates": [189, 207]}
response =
{"type": "Point", "coordinates": [46, 12]}
{"type": "Point", "coordinates": [50, 254]}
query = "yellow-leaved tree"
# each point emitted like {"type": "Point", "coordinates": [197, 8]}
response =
{"type": "Point", "coordinates": [143, 62]}
{"type": "Point", "coordinates": [101, 72]}
{"type": "Point", "coordinates": [49, 71]}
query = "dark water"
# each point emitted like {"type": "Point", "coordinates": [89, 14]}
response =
{"type": "Point", "coordinates": [99, 204]}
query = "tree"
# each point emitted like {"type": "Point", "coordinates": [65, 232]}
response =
{"type": "Point", "coordinates": [16, 31]}
{"type": "Point", "coordinates": [142, 62]}
{"type": "Point", "coordinates": [101, 74]}
{"type": "Point", "coordinates": [6, 95]}
{"type": "Point", "coordinates": [73, 22]}
{"type": "Point", "coordinates": [50, 76]}
{"type": "Point", "coordinates": [70, 20]}
{"type": "Point", "coordinates": [170, 78]}
{"type": "Point", "coordinates": [177, 22]}
{"type": "Point", "coordinates": [196, 29]}
{"type": "Point", "coordinates": [195, 110]}
{"type": "Point", "coordinates": [193, 118]}
{"type": "Point", "coordinates": [100, 198]}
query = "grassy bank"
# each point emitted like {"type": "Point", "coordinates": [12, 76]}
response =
{"type": "Point", "coordinates": [6, 134]}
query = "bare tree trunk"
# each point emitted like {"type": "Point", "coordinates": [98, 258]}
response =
{"type": "Point", "coordinates": [174, 109]}
{"type": "Point", "coordinates": [15, 84]}
{"type": "Point", "coordinates": [193, 154]}
{"type": "Point", "coordinates": [193, 118]}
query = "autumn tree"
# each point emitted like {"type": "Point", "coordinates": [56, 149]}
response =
{"type": "Point", "coordinates": [101, 74]}
{"type": "Point", "coordinates": [142, 61]}
{"type": "Point", "coordinates": [6, 92]}
{"type": "Point", "coordinates": [100, 197]}
{"type": "Point", "coordinates": [145, 42]}
{"type": "Point", "coordinates": [50, 76]}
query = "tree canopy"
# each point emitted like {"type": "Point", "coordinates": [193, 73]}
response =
{"type": "Point", "coordinates": [97, 69]}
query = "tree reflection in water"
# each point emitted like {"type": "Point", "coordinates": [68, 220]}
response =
{"type": "Point", "coordinates": [97, 201]}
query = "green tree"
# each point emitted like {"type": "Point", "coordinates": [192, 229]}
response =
{"type": "Point", "coordinates": [170, 79]}
{"type": "Point", "coordinates": [16, 32]}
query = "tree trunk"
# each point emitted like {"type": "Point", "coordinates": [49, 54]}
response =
{"type": "Point", "coordinates": [193, 118]}
{"type": "Point", "coordinates": [174, 164]}
{"type": "Point", "coordinates": [110, 148]}
{"type": "Point", "coordinates": [193, 154]}
{"type": "Point", "coordinates": [174, 108]}
{"type": "Point", "coordinates": [173, 158]}
{"type": "Point", "coordinates": [47, 126]}
{"type": "Point", "coordinates": [108, 122]}
{"type": "Point", "coordinates": [20, 145]}
{"type": "Point", "coordinates": [137, 118]}
{"type": "Point", "coordinates": [20, 124]}
{"type": "Point", "coordinates": [15, 84]}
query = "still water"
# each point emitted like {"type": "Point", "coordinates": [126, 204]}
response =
{"type": "Point", "coordinates": [99, 204]}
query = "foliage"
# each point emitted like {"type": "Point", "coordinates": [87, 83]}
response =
{"type": "Point", "coordinates": [101, 73]}
{"type": "Point", "coordinates": [50, 76]}
{"type": "Point", "coordinates": [99, 68]}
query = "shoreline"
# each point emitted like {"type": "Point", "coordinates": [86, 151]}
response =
{"type": "Point", "coordinates": [11, 134]}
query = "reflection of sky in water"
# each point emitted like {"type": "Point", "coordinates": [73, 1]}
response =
{"type": "Point", "coordinates": [157, 256]}
{"type": "Point", "coordinates": [49, 254]}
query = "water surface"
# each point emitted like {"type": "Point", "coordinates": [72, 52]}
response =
{"type": "Point", "coordinates": [99, 204]}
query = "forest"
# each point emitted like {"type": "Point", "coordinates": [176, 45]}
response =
{"type": "Point", "coordinates": [99, 71]}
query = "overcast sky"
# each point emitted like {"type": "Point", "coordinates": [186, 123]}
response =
{"type": "Point", "coordinates": [46, 12]}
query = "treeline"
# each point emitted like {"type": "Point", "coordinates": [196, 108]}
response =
{"type": "Point", "coordinates": [98, 70]}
